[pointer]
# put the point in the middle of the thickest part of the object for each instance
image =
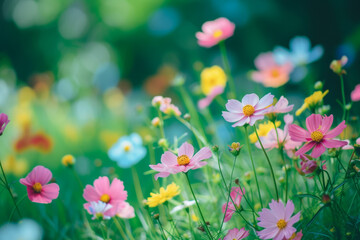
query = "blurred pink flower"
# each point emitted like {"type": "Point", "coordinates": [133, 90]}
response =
{"type": "Point", "coordinates": [277, 221]}
{"type": "Point", "coordinates": [317, 135]}
{"type": "Point", "coordinates": [236, 234]}
{"type": "Point", "coordinates": [186, 160]}
{"type": "Point", "coordinates": [125, 210]}
{"type": "Point", "coordinates": [37, 188]}
{"type": "Point", "coordinates": [203, 103]}
{"type": "Point", "coordinates": [270, 73]}
{"type": "Point", "coordinates": [249, 110]}
{"type": "Point", "coordinates": [236, 196]}
{"type": "Point", "coordinates": [157, 101]}
{"type": "Point", "coordinates": [355, 94]}
{"type": "Point", "coordinates": [4, 120]}
{"type": "Point", "coordinates": [282, 106]}
{"type": "Point", "coordinates": [113, 194]}
{"type": "Point", "coordinates": [215, 31]}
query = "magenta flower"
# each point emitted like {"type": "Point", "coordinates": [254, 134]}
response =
{"type": "Point", "coordinates": [113, 194]}
{"type": "Point", "coordinates": [37, 188]}
{"type": "Point", "coordinates": [282, 106]}
{"type": "Point", "coordinates": [249, 110]}
{"type": "Point", "coordinates": [318, 135]}
{"type": "Point", "coordinates": [215, 31]}
{"type": "Point", "coordinates": [186, 160]}
{"type": "Point", "coordinates": [203, 103]}
{"type": "Point", "coordinates": [4, 120]}
{"type": "Point", "coordinates": [277, 221]}
{"type": "Point", "coordinates": [236, 234]}
{"type": "Point", "coordinates": [236, 196]}
{"type": "Point", "coordinates": [309, 166]}
{"type": "Point", "coordinates": [355, 94]}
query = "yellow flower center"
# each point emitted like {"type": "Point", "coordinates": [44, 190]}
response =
{"type": "Point", "coordinates": [317, 136]}
{"type": "Point", "coordinates": [183, 160]}
{"type": "Point", "coordinates": [275, 73]}
{"type": "Point", "coordinates": [105, 198]}
{"type": "Point", "coordinates": [217, 34]}
{"type": "Point", "coordinates": [248, 110]}
{"type": "Point", "coordinates": [235, 145]}
{"type": "Point", "coordinates": [37, 187]}
{"type": "Point", "coordinates": [281, 224]}
{"type": "Point", "coordinates": [127, 148]}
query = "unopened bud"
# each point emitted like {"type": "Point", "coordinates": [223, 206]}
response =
{"type": "Point", "coordinates": [163, 143]}
{"type": "Point", "coordinates": [215, 148]}
{"type": "Point", "coordinates": [187, 117]}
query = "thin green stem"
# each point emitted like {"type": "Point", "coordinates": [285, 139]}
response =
{"type": "Point", "coordinates": [77, 178]}
{"type": "Point", "coordinates": [170, 219]}
{"type": "Point", "coordinates": [162, 230]}
{"type": "Point", "coordinates": [343, 96]}
{"type": "Point", "coordinates": [119, 227]}
{"type": "Point", "coordinates": [227, 68]}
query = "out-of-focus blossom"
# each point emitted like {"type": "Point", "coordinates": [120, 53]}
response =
{"type": "Point", "coordinates": [186, 160]}
{"type": "Point", "coordinates": [4, 120]}
{"type": "Point", "coordinates": [37, 188]}
{"type": "Point", "coordinates": [184, 205]}
{"type": "Point", "coordinates": [26, 229]}
{"type": "Point", "coordinates": [337, 65]}
{"type": "Point", "coordinates": [355, 94]}
{"type": "Point", "coordinates": [295, 236]}
{"type": "Point", "coordinates": [212, 77]}
{"type": "Point", "coordinates": [235, 148]}
{"type": "Point", "coordinates": [277, 221]}
{"type": "Point", "coordinates": [318, 135]}
{"type": "Point", "coordinates": [263, 130]}
{"type": "Point", "coordinates": [281, 106]}
{"type": "Point", "coordinates": [39, 141]}
{"type": "Point", "coordinates": [113, 194]}
{"type": "Point", "coordinates": [165, 106]}
{"type": "Point", "coordinates": [158, 83]}
{"type": "Point", "coordinates": [270, 73]}
{"type": "Point", "coordinates": [203, 103]}
{"type": "Point", "coordinates": [215, 31]}
{"type": "Point", "coordinates": [308, 166]}
{"type": "Point", "coordinates": [68, 160]}
{"type": "Point", "coordinates": [16, 166]}
{"type": "Point", "coordinates": [125, 210]}
{"type": "Point", "coordinates": [311, 102]}
{"type": "Point", "coordinates": [100, 210]}
{"type": "Point", "coordinates": [236, 234]}
{"type": "Point", "coordinates": [229, 208]}
{"type": "Point", "coordinates": [249, 110]}
{"type": "Point", "coordinates": [155, 122]}
{"type": "Point", "coordinates": [127, 151]}
{"type": "Point", "coordinates": [164, 195]}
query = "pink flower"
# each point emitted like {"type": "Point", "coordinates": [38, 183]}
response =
{"type": "Point", "coordinates": [214, 32]}
{"type": "Point", "coordinates": [203, 103]}
{"type": "Point", "coordinates": [249, 110]}
{"type": "Point", "coordinates": [277, 221]}
{"type": "Point", "coordinates": [38, 189]}
{"type": "Point", "coordinates": [4, 120]}
{"type": "Point", "coordinates": [270, 73]}
{"type": "Point", "coordinates": [236, 234]}
{"type": "Point", "coordinates": [309, 166]}
{"type": "Point", "coordinates": [282, 106]}
{"type": "Point", "coordinates": [125, 210]}
{"type": "Point", "coordinates": [113, 194]}
{"type": "Point", "coordinates": [318, 135]}
{"type": "Point", "coordinates": [186, 160]}
{"type": "Point", "coordinates": [236, 196]}
{"type": "Point", "coordinates": [355, 94]}
{"type": "Point", "coordinates": [157, 101]}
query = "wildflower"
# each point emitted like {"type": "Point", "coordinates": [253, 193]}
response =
{"type": "Point", "coordinates": [68, 160]}
{"type": "Point", "coordinates": [270, 73]}
{"type": "Point", "coordinates": [113, 194]}
{"type": "Point", "coordinates": [215, 31]}
{"type": "Point", "coordinates": [170, 109]}
{"type": "Point", "coordinates": [312, 101]}
{"type": "Point", "coordinates": [212, 77]}
{"type": "Point", "coordinates": [186, 160]}
{"type": "Point", "coordinates": [4, 120]}
{"type": "Point", "coordinates": [355, 94]}
{"type": "Point", "coordinates": [184, 205]}
{"type": "Point", "coordinates": [203, 103]}
{"type": "Point", "coordinates": [37, 188]}
{"type": "Point", "coordinates": [125, 210]}
{"type": "Point", "coordinates": [16, 166]}
{"type": "Point", "coordinates": [317, 135]}
{"type": "Point", "coordinates": [155, 122]}
{"type": "Point", "coordinates": [127, 151]}
{"type": "Point", "coordinates": [229, 208]}
{"type": "Point", "coordinates": [337, 65]}
{"type": "Point", "coordinates": [282, 106]}
{"type": "Point", "coordinates": [308, 167]}
{"type": "Point", "coordinates": [157, 101]}
{"type": "Point", "coordinates": [100, 210]}
{"type": "Point", "coordinates": [26, 229]}
{"type": "Point", "coordinates": [236, 234]}
{"type": "Point", "coordinates": [263, 130]}
{"type": "Point", "coordinates": [164, 195]}
{"type": "Point", "coordinates": [277, 221]}
{"type": "Point", "coordinates": [39, 141]}
{"type": "Point", "coordinates": [235, 148]}
{"type": "Point", "coordinates": [249, 110]}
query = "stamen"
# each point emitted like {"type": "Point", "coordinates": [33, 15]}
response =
{"type": "Point", "coordinates": [248, 110]}
{"type": "Point", "coordinates": [281, 224]}
{"type": "Point", "coordinates": [105, 198]}
{"type": "Point", "coordinates": [183, 160]}
{"type": "Point", "coordinates": [317, 136]}
{"type": "Point", "coordinates": [37, 187]}
{"type": "Point", "coordinates": [217, 34]}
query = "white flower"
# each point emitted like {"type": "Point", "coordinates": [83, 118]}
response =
{"type": "Point", "coordinates": [99, 209]}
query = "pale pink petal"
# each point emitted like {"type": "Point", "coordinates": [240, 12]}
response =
{"type": "Point", "coordinates": [204, 153]}
{"type": "Point", "coordinates": [234, 106]}
{"type": "Point", "coordinates": [90, 194]}
{"type": "Point", "coordinates": [125, 210]}
{"type": "Point", "coordinates": [168, 158]}
{"type": "Point", "coordinates": [297, 133]}
{"type": "Point", "coordinates": [294, 219]}
{"type": "Point", "coordinates": [265, 101]}
{"type": "Point", "coordinates": [186, 149]}
{"type": "Point", "coordinates": [307, 147]}
{"type": "Point", "coordinates": [161, 174]}
{"type": "Point", "coordinates": [40, 175]}
{"type": "Point", "coordinates": [232, 117]}
{"type": "Point", "coordinates": [265, 61]}
{"type": "Point", "coordinates": [318, 150]}
{"type": "Point", "coordinates": [268, 233]}
{"type": "Point", "coordinates": [355, 94]}
{"type": "Point", "coordinates": [330, 143]}
{"type": "Point", "coordinates": [289, 210]}
{"type": "Point", "coordinates": [253, 119]}
{"type": "Point", "coordinates": [278, 209]}
{"type": "Point", "coordinates": [313, 122]}
{"type": "Point", "coordinates": [102, 185]}
{"type": "Point", "coordinates": [250, 99]}
{"type": "Point", "coordinates": [50, 191]}
{"type": "Point", "coordinates": [116, 191]}
{"type": "Point", "coordinates": [336, 131]}
{"type": "Point", "coordinates": [203, 103]}
{"type": "Point", "coordinates": [241, 122]}
{"type": "Point", "coordinates": [326, 123]}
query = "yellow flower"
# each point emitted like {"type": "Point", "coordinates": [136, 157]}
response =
{"type": "Point", "coordinates": [312, 101]}
{"type": "Point", "coordinates": [17, 167]}
{"type": "Point", "coordinates": [212, 77]}
{"type": "Point", "coordinates": [165, 194]}
{"type": "Point", "coordinates": [68, 160]}
{"type": "Point", "coordinates": [263, 130]}
{"type": "Point", "coordinates": [194, 218]}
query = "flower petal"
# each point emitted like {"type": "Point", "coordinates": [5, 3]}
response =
{"type": "Point", "coordinates": [204, 153]}
{"type": "Point", "coordinates": [326, 123]}
{"type": "Point", "coordinates": [250, 99]}
{"type": "Point", "coordinates": [186, 149]}
{"type": "Point", "coordinates": [298, 134]}
{"type": "Point", "coordinates": [307, 147]}
{"type": "Point", "coordinates": [318, 150]}
{"type": "Point", "coordinates": [336, 131]}
{"type": "Point", "coordinates": [234, 106]}
{"type": "Point", "coordinates": [265, 101]}
{"type": "Point", "coordinates": [330, 143]}
{"type": "Point", "coordinates": [313, 122]}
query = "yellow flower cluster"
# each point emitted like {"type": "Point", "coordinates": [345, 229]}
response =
{"type": "Point", "coordinates": [263, 130]}
{"type": "Point", "coordinates": [312, 101]}
{"type": "Point", "coordinates": [212, 77]}
{"type": "Point", "coordinates": [165, 194]}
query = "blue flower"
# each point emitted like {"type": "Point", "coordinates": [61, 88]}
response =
{"type": "Point", "coordinates": [127, 151]}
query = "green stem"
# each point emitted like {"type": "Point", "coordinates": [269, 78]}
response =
{"type": "Point", "coordinates": [77, 178]}
{"type": "Point", "coordinates": [162, 230]}
{"type": "Point", "coordinates": [343, 96]}
{"type": "Point", "coordinates": [227, 69]}
{"type": "Point", "coordinates": [170, 219]}
{"type": "Point", "coordinates": [118, 226]}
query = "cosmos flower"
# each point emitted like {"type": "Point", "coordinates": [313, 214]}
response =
{"type": "Point", "coordinates": [236, 234]}
{"type": "Point", "coordinates": [164, 195]}
{"type": "Point", "coordinates": [127, 151]}
{"type": "Point", "coordinates": [100, 210]}
{"type": "Point", "coordinates": [4, 120]}
{"type": "Point", "coordinates": [277, 221]}
{"type": "Point", "coordinates": [355, 94]}
{"type": "Point", "coordinates": [215, 31]}
{"type": "Point", "coordinates": [318, 135]}
{"type": "Point", "coordinates": [313, 101]}
{"type": "Point", "coordinates": [186, 160]}
{"type": "Point", "coordinates": [37, 188]}
{"type": "Point", "coordinates": [249, 110]}
{"type": "Point", "coordinates": [236, 196]}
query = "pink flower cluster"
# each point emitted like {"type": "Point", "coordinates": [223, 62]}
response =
{"type": "Point", "coordinates": [165, 106]}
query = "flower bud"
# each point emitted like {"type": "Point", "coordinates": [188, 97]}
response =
{"type": "Point", "coordinates": [325, 198]}
{"type": "Point", "coordinates": [215, 148]}
{"type": "Point", "coordinates": [68, 160]}
{"type": "Point", "coordinates": [318, 85]}
{"type": "Point", "coordinates": [337, 65]}
{"type": "Point", "coordinates": [187, 117]}
{"type": "Point", "coordinates": [235, 148]}
{"type": "Point", "coordinates": [155, 122]}
{"type": "Point", "coordinates": [163, 143]}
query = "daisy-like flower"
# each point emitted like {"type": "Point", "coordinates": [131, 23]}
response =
{"type": "Point", "coordinates": [229, 208]}
{"type": "Point", "coordinates": [318, 135]}
{"type": "Point", "coordinates": [277, 221]}
{"type": "Point", "coordinates": [68, 160]}
{"type": "Point", "coordinates": [113, 194]}
{"type": "Point", "coordinates": [100, 210]}
{"type": "Point", "coordinates": [186, 160]}
{"type": "Point", "coordinates": [215, 31]}
{"type": "Point", "coordinates": [236, 234]}
{"type": "Point", "coordinates": [164, 104]}
{"type": "Point", "coordinates": [212, 77]}
{"type": "Point", "coordinates": [4, 120]}
{"type": "Point", "coordinates": [37, 188]}
{"type": "Point", "coordinates": [249, 110]}
{"type": "Point", "coordinates": [125, 210]}
{"type": "Point", "coordinates": [164, 195]}
{"type": "Point", "coordinates": [312, 101]}
{"type": "Point", "coordinates": [355, 94]}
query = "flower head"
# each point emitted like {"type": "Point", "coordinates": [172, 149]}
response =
{"type": "Point", "coordinates": [127, 151]}
{"type": "Point", "coordinates": [68, 160]}
{"type": "Point", "coordinates": [212, 77]}
{"type": "Point", "coordinates": [318, 136]}
{"type": "Point", "coordinates": [4, 120]}
{"type": "Point", "coordinates": [38, 189]}
{"type": "Point", "coordinates": [229, 208]}
{"type": "Point", "coordinates": [263, 130]}
{"type": "Point", "coordinates": [355, 94]}
{"type": "Point", "coordinates": [309, 166]}
{"type": "Point", "coordinates": [164, 195]}
{"type": "Point", "coordinates": [337, 65]}
{"type": "Point", "coordinates": [312, 101]}
{"type": "Point", "coordinates": [215, 31]}
{"type": "Point", "coordinates": [236, 234]}
{"type": "Point", "coordinates": [277, 221]}
{"type": "Point", "coordinates": [249, 110]}
{"type": "Point", "coordinates": [100, 210]}
{"type": "Point", "coordinates": [186, 160]}
{"type": "Point", "coordinates": [281, 106]}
